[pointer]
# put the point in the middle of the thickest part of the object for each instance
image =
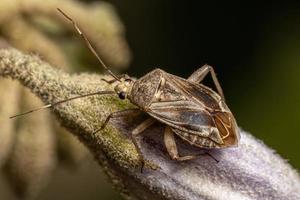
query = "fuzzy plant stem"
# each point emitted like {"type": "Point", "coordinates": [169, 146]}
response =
{"type": "Point", "coordinates": [250, 171]}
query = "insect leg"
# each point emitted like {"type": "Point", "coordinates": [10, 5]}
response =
{"type": "Point", "coordinates": [172, 147]}
{"type": "Point", "coordinates": [108, 81]}
{"type": "Point", "coordinates": [200, 74]}
{"type": "Point", "coordinates": [125, 76]}
{"type": "Point", "coordinates": [139, 129]}
{"type": "Point", "coordinates": [116, 115]}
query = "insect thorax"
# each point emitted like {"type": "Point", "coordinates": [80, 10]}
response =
{"type": "Point", "coordinates": [143, 90]}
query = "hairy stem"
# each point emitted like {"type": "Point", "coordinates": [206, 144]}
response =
{"type": "Point", "coordinates": [250, 171]}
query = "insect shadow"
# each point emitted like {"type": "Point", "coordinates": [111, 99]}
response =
{"type": "Point", "coordinates": [187, 108]}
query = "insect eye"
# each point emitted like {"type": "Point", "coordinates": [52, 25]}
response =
{"type": "Point", "coordinates": [122, 95]}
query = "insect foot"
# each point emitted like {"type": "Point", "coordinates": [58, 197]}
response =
{"type": "Point", "coordinates": [147, 164]}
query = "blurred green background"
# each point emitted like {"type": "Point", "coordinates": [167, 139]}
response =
{"type": "Point", "coordinates": [254, 48]}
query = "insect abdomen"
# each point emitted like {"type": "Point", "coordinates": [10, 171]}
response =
{"type": "Point", "coordinates": [196, 140]}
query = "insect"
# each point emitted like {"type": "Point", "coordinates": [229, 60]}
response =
{"type": "Point", "coordinates": [187, 108]}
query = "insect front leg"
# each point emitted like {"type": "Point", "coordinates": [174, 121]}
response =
{"type": "Point", "coordinates": [200, 74]}
{"type": "Point", "coordinates": [139, 129]}
{"type": "Point", "coordinates": [108, 81]}
{"type": "Point", "coordinates": [172, 147]}
{"type": "Point", "coordinates": [116, 115]}
{"type": "Point", "coordinates": [123, 76]}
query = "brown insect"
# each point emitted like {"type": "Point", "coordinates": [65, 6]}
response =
{"type": "Point", "coordinates": [189, 109]}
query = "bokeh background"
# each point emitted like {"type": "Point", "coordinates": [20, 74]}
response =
{"type": "Point", "coordinates": [254, 48]}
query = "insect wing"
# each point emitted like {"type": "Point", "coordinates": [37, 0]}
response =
{"type": "Point", "coordinates": [198, 111]}
{"type": "Point", "coordinates": [183, 115]}
{"type": "Point", "coordinates": [227, 126]}
{"type": "Point", "coordinates": [198, 93]}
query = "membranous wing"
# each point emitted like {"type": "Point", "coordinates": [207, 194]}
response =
{"type": "Point", "coordinates": [181, 114]}
{"type": "Point", "coordinates": [190, 110]}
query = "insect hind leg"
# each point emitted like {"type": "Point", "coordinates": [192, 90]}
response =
{"type": "Point", "coordinates": [201, 73]}
{"type": "Point", "coordinates": [208, 154]}
{"type": "Point", "coordinates": [172, 147]}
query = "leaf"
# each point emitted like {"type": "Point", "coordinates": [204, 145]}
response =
{"type": "Point", "coordinates": [250, 171]}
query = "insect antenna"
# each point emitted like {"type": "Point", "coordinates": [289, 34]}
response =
{"type": "Point", "coordinates": [89, 45]}
{"type": "Point", "coordinates": [62, 101]}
